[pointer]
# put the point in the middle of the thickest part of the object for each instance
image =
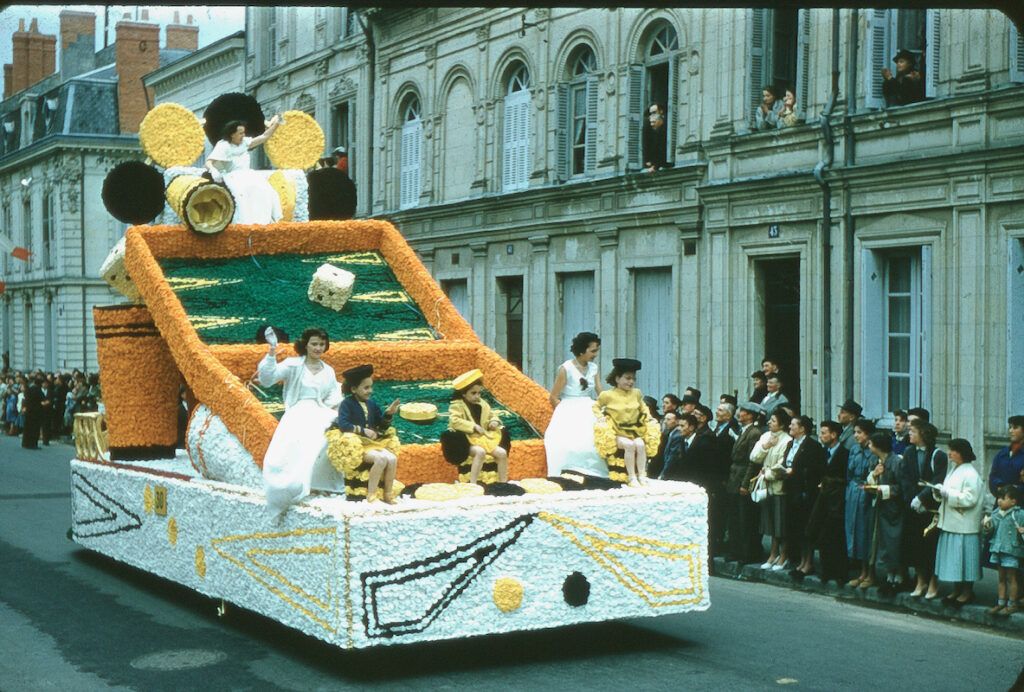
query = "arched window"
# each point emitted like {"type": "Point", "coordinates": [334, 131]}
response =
{"type": "Point", "coordinates": [577, 115]}
{"type": "Point", "coordinates": [515, 162]}
{"type": "Point", "coordinates": [412, 141]}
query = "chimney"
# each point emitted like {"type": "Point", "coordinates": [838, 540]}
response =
{"type": "Point", "coordinates": [19, 58]}
{"type": "Point", "coordinates": [137, 51]}
{"type": "Point", "coordinates": [182, 36]}
{"type": "Point", "coordinates": [34, 55]}
{"type": "Point", "coordinates": [77, 43]}
{"type": "Point", "coordinates": [7, 80]}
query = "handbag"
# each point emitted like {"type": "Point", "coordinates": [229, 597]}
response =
{"type": "Point", "coordinates": [760, 492]}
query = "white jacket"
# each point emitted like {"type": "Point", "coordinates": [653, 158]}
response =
{"type": "Point", "coordinates": [289, 371]}
{"type": "Point", "coordinates": [962, 508]}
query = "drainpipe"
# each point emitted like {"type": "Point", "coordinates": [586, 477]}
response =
{"type": "Point", "coordinates": [849, 159]}
{"type": "Point", "coordinates": [371, 68]}
{"type": "Point", "coordinates": [826, 220]}
{"type": "Point", "coordinates": [81, 211]}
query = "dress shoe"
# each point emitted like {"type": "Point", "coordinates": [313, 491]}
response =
{"type": "Point", "coordinates": [767, 565]}
{"type": "Point", "coordinates": [853, 583]}
{"type": "Point", "coordinates": [994, 610]}
{"type": "Point", "coordinates": [961, 602]}
{"type": "Point", "coordinates": [778, 567]}
{"type": "Point", "coordinates": [1009, 610]}
{"type": "Point", "coordinates": [867, 584]}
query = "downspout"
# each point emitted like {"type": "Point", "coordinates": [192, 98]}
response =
{"type": "Point", "coordinates": [849, 159]}
{"type": "Point", "coordinates": [371, 68]}
{"type": "Point", "coordinates": [81, 210]}
{"type": "Point", "coordinates": [826, 220]}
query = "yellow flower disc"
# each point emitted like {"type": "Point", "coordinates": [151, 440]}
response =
{"type": "Point", "coordinates": [201, 562]}
{"type": "Point", "coordinates": [172, 531]}
{"type": "Point", "coordinates": [508, 594]}
{"type": "Point", "coordinates": [298, 142]}
{"type": "Point", "coordinates": [416, 411]}
{"type": "Point", "coordinates": [286, 191]}
{"type": "Point", "coordinates": [171, 135]}
{"type": "Point", "coordinates": [147, 499]}
{"type": "Point", "coordinates": [442, 492]}
{"type": "Point", "coordinates": [540, 486]}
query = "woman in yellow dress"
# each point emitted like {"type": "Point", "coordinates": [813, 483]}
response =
{"type": "Point", "coordinates": [363, 445]}
{"type": "Point", "coordinates": [625, 425]}
{"type": "Point", "coordinates": [473, 417]}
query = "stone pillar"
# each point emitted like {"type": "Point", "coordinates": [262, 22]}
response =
{"type": "Point", "coordinates": [610, 296]}
{"type": "Point", "coordinates": [537, 315]}
{"type": "Point", "coordinates": [481, 310]}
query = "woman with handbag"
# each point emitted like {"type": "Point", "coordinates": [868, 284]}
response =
{"type": "Point", "coordinates": [921, 534]}
{"type": "Point", "coordinates": [958, 557]}
{"type": "Point", "coordinates": [886, 484]}
{"type": "Point", "coordinates": [770, 453]}
{"type": "Point", "coordinates": [857, 509]}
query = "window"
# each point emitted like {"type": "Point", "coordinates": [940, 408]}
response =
{"type": "Point", "coordinates": [49, 224]}
{"type": "Point", "coordinates": [412, 140]}
{"type": "Point", "coordinates": [457, 291]}
{"type": "Point", "coordinates": [515, 162]}
{"type": "Point", "coordinates": [342, 132]}
{"type": "Point", "coordinates": [779, 55]}
{"type": "Point", "coordinates": [1016, 54]}
{"type": "Point", "coordinates": [896, 319]}
{"type": "Point", "coordinates": [577, 116]}
{"type": "Point", "coordinates": [9, 232]}
{"type": "Point", "coordinates": [29, 334]}
{"type": "Point", "coordinates": [272, 38]}
{"type": "Point", "coordinates": [26, 231]}
{"type": "Point", "coordinates": [510, 319]}
{"type": "Point", "coordinates": [889, 31]}
{"type": "Point", "coordinates": [50, 328]}
{"type": "Point", "coordinates": [576, 300]}
{"type": "Point", "coordinates": [655, 80]}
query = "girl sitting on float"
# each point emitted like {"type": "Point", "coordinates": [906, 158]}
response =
{"type": "Point", "coordinates": [625, 426]}
{"type": "Point", "coordinates": [474, 433]}
{"type": "Point", "coordinates": [363, 445]}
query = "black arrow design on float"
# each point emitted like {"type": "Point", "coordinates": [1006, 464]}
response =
{"type": "Point", "coordinates": [122, 518]}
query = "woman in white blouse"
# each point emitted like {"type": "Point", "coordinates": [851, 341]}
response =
{"type": "Point", "coordinates": [958, 556]}
{"type": "Point", "coordinates": [228, 163]}
{"type": "Point", "coordinates": [296, 459]}
{"type": "Point", "coordinates": [770, 453]}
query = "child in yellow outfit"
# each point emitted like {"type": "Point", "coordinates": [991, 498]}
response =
{"type": "Point", "coordinates": [470, 415]}
{"type": "Point", "coordinates": [624, 423]}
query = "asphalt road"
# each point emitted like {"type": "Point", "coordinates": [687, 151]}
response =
{"type": "Point", "coordinates": [74, 620]}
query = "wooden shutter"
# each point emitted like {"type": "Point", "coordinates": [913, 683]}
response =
{"type": "Point", "coordinates": [878, 57]}
{"type": "Point", "coordinates": [516, 144]}
{"type": "Point", "coordinates": [412, 135]}
{"type": "Point", "coordinates": [803, 62]}
{"type": "Point", "coordinates": [758, 23]}
{"type": "Point", "coordinates": [654, 328]}
{"type": "Point", "coordinates": [634, 145]}
{"type": "Point", "coordinates": [562, 132]}
{"type": "Point", "coordinates": [873, 385]}
{"type": "Point", "coordinates": [931, 52]}
{"type": "Point", "coordinates": [1016, 54]}
{"type": "Point", "coordinates": [673, 120]}
{"type": "Point", "coordinates": [590, 141]}
{"type": "Point", "coordinates": [578, 313]}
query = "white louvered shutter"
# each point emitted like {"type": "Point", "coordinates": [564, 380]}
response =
{"type": "Point", "coordinates": [757, 22]}
{"type": "Point", "coordinates": [562, 132]}
{"type": "Point", "coordinates": [803, 64]}
{"type": "Point", "coordinates": [517, 141]}
{"type": "Point", "coordinates": [1016, 54]}
{"type": "Point", "coordinates": [931, 54]}
{"type": "Point", "coordinates": [412, 136]}
{"type": "Point", "coordinates": [590, 141]}
{"type": "Point", "coordinates": [634, 145]}
{"type": "Point", "coordinates": [672, 122]}
{"type": "Point", "coordinates": [878, 57]}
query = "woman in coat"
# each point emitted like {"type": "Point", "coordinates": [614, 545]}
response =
{"type": "Point", "coordinates": [886, 484]}
{"type": "Point", "coordinates": [958, 559]}
{"type": "Point", "coordinates": [770, 453]}
{"type": "Point", "coordinates": [857, 510]}
{"type": "Point", "coordinates": [918, 546]}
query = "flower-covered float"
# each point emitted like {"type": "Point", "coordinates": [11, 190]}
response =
{"type": "Point", "coordinates": [448, 560]}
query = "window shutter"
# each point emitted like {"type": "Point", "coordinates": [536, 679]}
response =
{"type": "Point", "coordinates": [590, 143]}
{"type": "Point", "coordinates": [562, 132]}
{"type": "Point", "coordinates": [926, 323]}
{"type": "Point", "coordinates": [803, 61]}
{"type": "Point", "coordinates": [636, 118]}
{"type": "Point", "coordinates": [757, 22]}
{"type": "Point", "coordinates": [409, 193]}
{"type": "Point", "coordinates": [516, 143]}
{"type": "Point", "coordinates": [931, 52]}
{"type": "Point", "coordinates": [508, 144]}
{"type": "Point", "coordinates": [525, 139]}
{"type": "Point", "coordinates": [873, 368]}
{"type": "Point", "coordinates": [673, 121]}
{"type": "Point", "coordinates": [878, 57]}
{"type": "Point", "coordinates": [1016, 54]}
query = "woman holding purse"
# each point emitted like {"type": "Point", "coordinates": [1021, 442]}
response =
{"type": "Point", "coordinates": [958, 559]}
{"type": "Point", "coordinates": [770, 453]}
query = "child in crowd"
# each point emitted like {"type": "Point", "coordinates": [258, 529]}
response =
{"type": "Point", "coordinates": [481, 429]}
{"type": "Point", "coordinates": [625, 424]}
{"type": "Point", "coordinates": [366, 450]}
{"type": "Point", "coordinates": [1006, 547]}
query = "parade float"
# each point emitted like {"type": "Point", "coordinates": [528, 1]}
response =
{"type": "Point", "coordinates": [448, 560]}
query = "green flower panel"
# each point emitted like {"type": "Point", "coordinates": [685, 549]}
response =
{"type": "Point", "coordinates": [226, 299]}
{"type": "Point", "coordinates": [437, 392]}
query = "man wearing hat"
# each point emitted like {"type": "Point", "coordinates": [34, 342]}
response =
{"type": "Point", "coordinates": [907, 86]}
{"type": "Point", "coordinates": [743, 539]}
{"type": "Point", "coordinates": [849, 412]}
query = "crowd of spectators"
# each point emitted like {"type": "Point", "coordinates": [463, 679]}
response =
{"type": "Point", "coordinates": [41, 406]}
{"type": "Point", "coordinates": [887, 508]}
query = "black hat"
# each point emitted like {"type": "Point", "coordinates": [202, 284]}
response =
{"type": "Point", "coordinates": [852, 406]}
{"type": "Point", "coordinates": [921, 413]}
{"type": "Point", "coordinates": [626, 364]}
{"type": "Point", "coordinates": [906, 55]}
{"type": "Point", "coordinates": [261, 338]}
{"type": "Point", "coordinates": [690, 399]}
{"type": "Point", "coordinates": [1015, 421]}
{"type": "Point", "coordinates": [963, 448]}
{"type": "Point", "coordinates": [353, 376]}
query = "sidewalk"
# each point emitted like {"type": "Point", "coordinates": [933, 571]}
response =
{"type": "Point", "coordinates": [975, 614]}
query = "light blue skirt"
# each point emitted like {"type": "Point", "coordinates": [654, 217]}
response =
{"type": "Point", "coordinates": [958, 557]}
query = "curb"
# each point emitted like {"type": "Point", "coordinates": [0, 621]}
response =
{"type": "Point", "coordinates": [971, 614]}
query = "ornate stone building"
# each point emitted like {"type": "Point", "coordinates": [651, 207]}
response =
{"type": "Point", "coordinates": [876, 251]}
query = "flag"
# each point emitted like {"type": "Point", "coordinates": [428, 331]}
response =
{"type": "Point", "coordinates": [21, 253]}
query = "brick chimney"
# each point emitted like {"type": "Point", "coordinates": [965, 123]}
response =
{"type": "Point", "coordinates": [77, 43]}
{"type": "Point", "coordinates": [7, 79]}
{"type": "Point", "coordinates": [34, 55]}
{"type": "Point", "coordinates": [182, 36]}
{"type": "Point", "coordinates": [137, 51]}
{"type": "Point", "coordinates": [19, 58]}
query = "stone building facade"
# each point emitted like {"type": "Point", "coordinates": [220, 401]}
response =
{"type": "Point", "coordinates": [877, 252]}
{"type": "Point", "coordinates": [62, 131]}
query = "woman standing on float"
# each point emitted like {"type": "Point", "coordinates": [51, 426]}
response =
{"type": "Point", "coordinates": [569, 439]}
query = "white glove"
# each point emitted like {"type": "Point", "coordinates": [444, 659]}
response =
{"type": "Point", "coordinates": [217, 176]}
{"type": "Point", "coordinates": [916, 505]}
{"type": "Point", "coordinates": [271, 336]}
{"type": "Point", "coordinates": [942, 491]}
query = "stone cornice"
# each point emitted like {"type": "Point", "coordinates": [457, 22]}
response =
{"type": "Point", "coordinates": [218, 56]}
{"type": "Point", "coordinates": [55, 144]}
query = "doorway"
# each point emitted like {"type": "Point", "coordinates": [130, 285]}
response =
{"type": "Point", "coordinates": [779, 284]}
{"type": "Point", "coordinates": [510, 318]}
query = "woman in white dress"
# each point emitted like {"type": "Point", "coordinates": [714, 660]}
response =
{"type": "Point", "coordinates": [228, 163]}
{"type": "Point", "coordinates": [296, 459]}
{"type": "Point", "coordinates": [569, 439]}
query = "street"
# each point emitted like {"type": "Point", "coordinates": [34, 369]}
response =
{"type": "Point", "coordinates": [75, 620]}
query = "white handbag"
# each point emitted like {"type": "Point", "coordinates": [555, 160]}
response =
{"type": "Point", "coordinates": [760, 492]}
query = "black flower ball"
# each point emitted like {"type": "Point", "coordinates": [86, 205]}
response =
{"type": "Point", "coordinates": [233, 106]}
{"type": "Point", "coordinates": [332, 195]}
{"type": "Point", "coordinates": [133, 192]}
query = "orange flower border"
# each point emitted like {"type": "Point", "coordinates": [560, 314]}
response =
{"type": "Point", "coordinates": [217, 374]}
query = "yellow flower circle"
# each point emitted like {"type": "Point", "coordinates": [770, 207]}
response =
{"type": "Point", "coordinates": [286, 191]}
{"type": "Point", "coordinates": [172, 531]}
{"type": "Point", "coordinates": [508, 594]}
{"type": "Point", "coordinates": [540, 486]}
{"type": "Point", "coordinates": [201, 562]}
{"type": "Point", "coordinates": [171, 135]}
{"type": "Point", "coordinates": [442, 492]}
{"type": "Point", "coordinates": [298, 142]}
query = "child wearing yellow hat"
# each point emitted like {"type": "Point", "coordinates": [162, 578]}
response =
{"type": "Point", "coordinates": [479, 426]}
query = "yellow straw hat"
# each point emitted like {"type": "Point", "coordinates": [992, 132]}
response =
{"type": "Point", "coordinates": [467, 378]}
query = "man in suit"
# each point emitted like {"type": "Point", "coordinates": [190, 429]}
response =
{"type": "Point", "coordinates": [697, 463]}
{"type": "Point", "coordinates": [744, 540]}
{"type": "Point", "coordinates": [33, 413]}
{"type": "Point", "coordinates": [849, 412]}
{"type": "Point", "coordinates": [804, 464]}
{"type": "Point", "coordinates": [671, 443]}
{"type": "Point", "coordinates": [775, 397]}
{"type": "Point", "coordinates": [723, 431]}
{"type": "Point", "coordinates": [825, 528]}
